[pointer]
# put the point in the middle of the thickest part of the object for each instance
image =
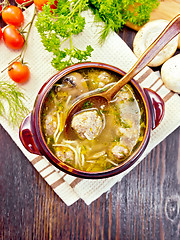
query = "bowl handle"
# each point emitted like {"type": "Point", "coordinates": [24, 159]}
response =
{"type": "Point", "coordinates": [26, 136]}
{"type": "Point", "coordinates": [157, 107]}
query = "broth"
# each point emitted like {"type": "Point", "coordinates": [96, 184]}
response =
{"type": "Point", "coordinates": [105, 137]}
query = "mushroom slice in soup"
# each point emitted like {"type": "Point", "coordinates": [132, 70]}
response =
{"type": "Point", "coordinates": [74, 84]}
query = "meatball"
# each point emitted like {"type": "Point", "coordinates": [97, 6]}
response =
{"type": "Point", "coordinates": [124, 95]}
{"type": "Point", "coordinates": [119, 151]}
{"type": "Point", "coordinates": [50, 124]}
{"type": "Point", "coordinates": [65, 154]}
{"type": "Point", "coordinates": [104, 78]}
{"type": "Point", "coordinates": [87, 124]}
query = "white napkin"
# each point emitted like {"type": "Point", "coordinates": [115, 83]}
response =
{"type": "Point", "coordinates": [115, 52]}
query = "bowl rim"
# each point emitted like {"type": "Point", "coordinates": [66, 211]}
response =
{"type": "Point", "coordinates": [39, 138]}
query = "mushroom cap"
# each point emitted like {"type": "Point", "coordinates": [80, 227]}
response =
{"type": "Point", "coordinates": [170, 73]}
{"type": "Point", "coordinates": [147, 34]}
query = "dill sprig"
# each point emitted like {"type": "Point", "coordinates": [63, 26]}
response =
{"type": "Point", "coordinates": [12, 103]}
{"type": "Point", "coordinates": [115, 14]}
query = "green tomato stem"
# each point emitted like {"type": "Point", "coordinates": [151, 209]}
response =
{"type": "Point", "coordinates": [22, 54]}
{"type": "Point", "coordinates": [23, 5]}
{"type": "Point", "coordinates": [30, 26]}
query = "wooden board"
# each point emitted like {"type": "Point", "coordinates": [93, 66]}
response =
{"type": "Point", "coordinates": [167, 10]}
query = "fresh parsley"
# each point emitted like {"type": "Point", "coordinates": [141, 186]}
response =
{"type": "Point", "coordinates": [87, 105]}
{"type": "Point", "coordinates": [57, 26]}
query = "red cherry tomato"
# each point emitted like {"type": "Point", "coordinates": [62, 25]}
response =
{"type": "Point", "coordinates": [0, 33]}
{"type": "Point", "coordinates": [13, 15]}
{"type": "Point", "coordinates": [40, 3]}
{"type": "Point", "coordinates": [18, 72]}
{"type": "Point", "coordinates": [12, 37]}
{"type": "Point", "coordinates": [24, 2]}
{"type": "Point", "coordinates": [54, 6]}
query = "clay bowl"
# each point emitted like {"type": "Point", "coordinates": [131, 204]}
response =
{"type": "Point", "coordinates": [32, 138]}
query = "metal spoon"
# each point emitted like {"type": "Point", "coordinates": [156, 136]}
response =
{"type": "Point", "coordinates": [103, 98]}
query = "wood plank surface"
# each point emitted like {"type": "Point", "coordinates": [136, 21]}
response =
{"type": "Point", "coordinates": [144, 205]}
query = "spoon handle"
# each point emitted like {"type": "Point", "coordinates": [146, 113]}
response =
{"type": "Point", "coordinates": [171, 30]}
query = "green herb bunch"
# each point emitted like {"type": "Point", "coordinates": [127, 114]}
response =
{"type": "Point", "coordinates": [15, 110]}
{"type": "Point", "coordinates": [57, 26]}
{"type": "Point", "coordinates": [115, 13]}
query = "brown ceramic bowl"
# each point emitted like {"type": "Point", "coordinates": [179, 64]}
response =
{"type": "Point", "coordinates": [32, 137]}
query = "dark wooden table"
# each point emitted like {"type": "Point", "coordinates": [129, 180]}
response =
{"type": "Point", "coordinates": [144, 205]}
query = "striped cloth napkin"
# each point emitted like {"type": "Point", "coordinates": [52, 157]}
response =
{"type": "Point", "coordinates": [115, 52]}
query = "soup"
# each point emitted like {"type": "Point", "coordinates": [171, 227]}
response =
{"type": "Point", "coordinates": [105, 137]}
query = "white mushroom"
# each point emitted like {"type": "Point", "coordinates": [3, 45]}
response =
{"type": "Point", "coordinates": [170, 73]}
{"type": "Point", "coordinates": [147, 34]}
